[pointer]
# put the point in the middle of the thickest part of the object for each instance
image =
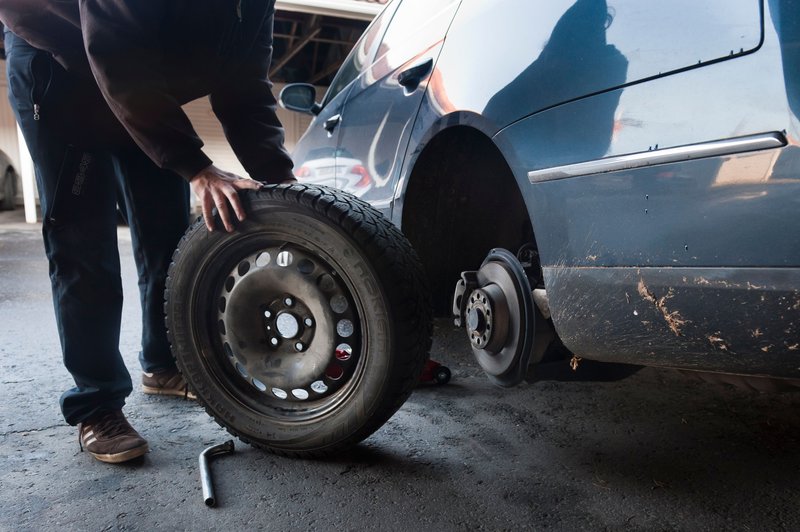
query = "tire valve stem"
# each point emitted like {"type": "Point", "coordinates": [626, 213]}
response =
{"type": "Point", "coordinates": [574, 362]}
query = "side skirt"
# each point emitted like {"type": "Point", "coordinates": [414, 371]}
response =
{"type": "Point", "coordinates": [735, 320]}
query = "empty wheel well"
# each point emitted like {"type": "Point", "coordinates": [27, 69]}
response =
{"type": "Point", "coordinates": [462, 200]}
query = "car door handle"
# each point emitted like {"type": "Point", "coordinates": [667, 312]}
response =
{"type": "Point", "coordinates": [330, 124]}
{"type": "Point", "coordinates": [411, 77]}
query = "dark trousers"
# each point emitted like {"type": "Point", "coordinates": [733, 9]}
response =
{"type": "Point", "coordinates": [79, 188]}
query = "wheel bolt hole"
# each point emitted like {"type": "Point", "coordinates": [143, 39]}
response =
{"type": "Point", "coordinates": [284, 258]}
{"type": "Point", "coordinates": [345, 328]}
{"type": "Point", "coordinates": [305, 266]}
{"type": "Point", "coordinates": [300, 394]}
{"type": "Point", "coordinates": [344, 352]}
{"type": "Point", "coordinates": [339, 303]}
{"type": "Point", "coordinates": [334, 372]}
{"type": "Point", "coordinates": [262, 259]}
{"type": "Point", "coordinates": [280, 394]}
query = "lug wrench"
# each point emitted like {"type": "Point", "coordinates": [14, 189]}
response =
{"type": "Point", "coordinates": [205, 470]}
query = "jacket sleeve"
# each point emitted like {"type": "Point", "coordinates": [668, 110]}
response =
{"type": "Point", "coordinates": [247, 109]}
{"type": "Point", "coordinates": [121, 44]}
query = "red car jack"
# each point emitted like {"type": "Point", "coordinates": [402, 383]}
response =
{"type": "Point", "coordinates": [434, 373]}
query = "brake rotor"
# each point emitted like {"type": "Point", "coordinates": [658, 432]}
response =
{"type": "Point", "coordinates": [499, 318]}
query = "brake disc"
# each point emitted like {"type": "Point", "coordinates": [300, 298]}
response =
{"type": "Point", "coordinates": [499, 318]}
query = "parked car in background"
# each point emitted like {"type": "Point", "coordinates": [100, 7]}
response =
{"type": "Point", "coordinates": [335, 168]}
{"type": "Point", "coordinates": [618, 178]}
{"type": "Point", "coordinates": [8, 183]}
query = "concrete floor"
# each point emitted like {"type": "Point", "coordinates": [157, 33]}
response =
{"type": "Point", "coordinates": [651, 452]}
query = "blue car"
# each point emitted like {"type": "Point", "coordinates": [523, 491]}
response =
{"type": "Point", "coordinates": [617, 180]}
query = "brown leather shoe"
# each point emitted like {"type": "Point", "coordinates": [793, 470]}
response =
{"type": "Point", "coordinates": [110, 438]}
{"type": "Point", "coordinates": [169, 382]}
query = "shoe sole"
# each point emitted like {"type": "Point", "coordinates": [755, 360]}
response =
{"type": "Point", "coordinates": [124, 456]}
{"type": "Point", "coordinates": [161, 391]}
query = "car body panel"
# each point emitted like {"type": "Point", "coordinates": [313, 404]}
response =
{"type": "Point", "coordinates": [711, 243]}
{"type": "Point", "coordinates": [732, 320]}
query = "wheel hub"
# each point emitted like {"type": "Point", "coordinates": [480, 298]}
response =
{"type": "Point", "coordinates": [487, 318]}
{"type": "Point", "coordinates": [289, 318]}
{"type": "Point", "coordinates": [287, 325]}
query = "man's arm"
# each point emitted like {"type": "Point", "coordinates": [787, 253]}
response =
{"type": "Point", "coordinates": [122, 48]}
{"type": "Point", "coordinates": [246, 108]}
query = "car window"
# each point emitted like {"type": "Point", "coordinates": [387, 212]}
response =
{"type": "Point", "coordinates": [415, 26]}
{"type": "Point", "coordinates": [362, 54]}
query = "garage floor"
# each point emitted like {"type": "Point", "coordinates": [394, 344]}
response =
{"type": "Point", "coordinates": [654, 451]}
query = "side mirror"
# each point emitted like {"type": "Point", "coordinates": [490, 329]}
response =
{"type": "Point", "coordinates": [300, 97]}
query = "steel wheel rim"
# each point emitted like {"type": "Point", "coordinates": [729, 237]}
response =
{"type": "Point", "coordinates": [248, 312]}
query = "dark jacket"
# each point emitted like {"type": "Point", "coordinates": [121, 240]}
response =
{"type": "Point", "coordinates": [149, 57]}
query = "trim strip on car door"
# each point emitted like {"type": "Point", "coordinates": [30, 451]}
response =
{"type": "Point", "coordinates": [715, 148]}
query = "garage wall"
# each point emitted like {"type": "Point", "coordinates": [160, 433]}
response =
{"type": "Point", "coordinates": [216, 147]}
{"type": "Point", "coordinates": [199, 113]}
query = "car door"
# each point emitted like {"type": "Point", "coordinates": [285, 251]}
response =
{"type": "Point", "coordinates": [315, 155]}
{"type": "Point", "coordinates": [383, 100]}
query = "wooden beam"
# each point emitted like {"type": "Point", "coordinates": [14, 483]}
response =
{"type": "Point", "coordinates": [316, 39]}
{"type": "Point", "coordinates": [330, 69]}
{"type": "Point", "coordinates": [313, 30]}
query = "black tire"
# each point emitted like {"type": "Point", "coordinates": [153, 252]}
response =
{"type": "Point", "coordinates": [359, 358]}
{"type": "Point", "coordinates": [442, 375]}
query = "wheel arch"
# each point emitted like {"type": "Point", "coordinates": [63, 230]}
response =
{"type": "Point", "coordinates": [459, 200]}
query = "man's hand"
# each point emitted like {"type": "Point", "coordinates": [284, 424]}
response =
{"type": "Point", "coordinates": [215, 187]}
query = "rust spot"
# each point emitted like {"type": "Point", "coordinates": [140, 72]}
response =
{"type": "Point", "coordinates": [793, 347]}
{"type": "Point", "coordinates": [766, 349]}
{"type": "Point", "coordinates": [592, 258]}
{"type": "Point", "coordinates": [573, 363]}
{"type": "Point", "coordinates": [717, 342]}
{"type": "Point", "coordinates": [757, 333]}
{"type": "Point", "coordinates": [673, 319]}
